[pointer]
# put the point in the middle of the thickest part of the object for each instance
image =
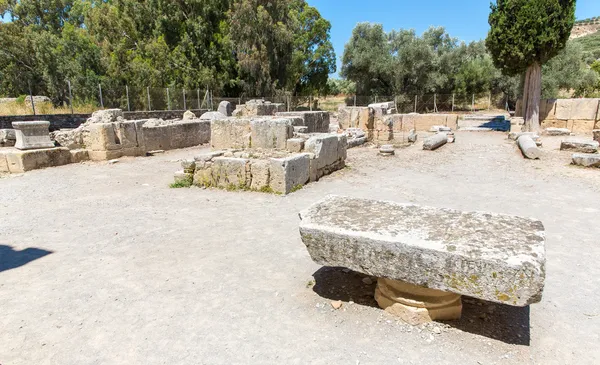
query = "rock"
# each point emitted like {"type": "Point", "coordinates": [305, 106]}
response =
{"type": "Point", "coordinates": [387, 150]}
{"type": "Point", "coordinates": [271, 133]}
{"type": "Point", "coordinates": [230, 172]}
{"type": "Point", "coordinates": [189, 115]}
{"type": "Point", "coordinates": [586, 159]}
{"type": "Point", "coordinates": [336, 304]}
{"type": "Point", "coordinates": [183, 177]}
{"type": "Point", "coordinates": [295, 145]}
{"type": "Point", "coordinates": [596, 135]}
{"type": "Point", "coordinates": [558, 132]}
{"type": "Point", "coordinates": [37, 99]}
{"type": "Point", "coordinates": [212, 116]}
{"type": "Point", "coordinates": [440, 128]}
{"type": "Point", "coordinates": [515, 135]}
{"type": "Point", "coordinates": [581, 146]}
{"type": "Point", "coordinates": [32, 135]}
{"type": "Point", "coordinates": [106, 116]}
{"type": "Point", "coordinates": [451, 137]}
{"type": "Point", "coordinates": [412, 136]}
{"type": "Point", "coordinates": [367, 281]}
{"type": "Point", "coordinates": [288, 174]}
{"type": "Point", "coordinates": [300, 130]}
{"type": "Point", "coordinates": [17, 161]}
{"type": "Point", "coordinates": [225, 108]}
{"type": "Point", "coordinates": [208, 156]}
{"type": "Point", "coordinates": [529, 147]}
{"type": "Point", "coordinates": [435, 141]}
{"type": "Point", "coordinates": [8, 137]}
{"type": "Point", "coordinates": [189, 166]}
{"type": "Point", "coordinates": [70, 138]}
{"type": "Point", "coordinates": [155, 152]}
{"type": "Point", "coordinates": [437, 330]}
{"type": "Point", "coordinates": [112, 162]}
{"type": "Point", "coordinates": [79, 155]}
{"type": "Point", "coordinates": [260, 174]}
{"type": "Point", "coordinates": [494, 257]}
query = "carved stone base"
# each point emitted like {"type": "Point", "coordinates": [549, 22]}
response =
{"type": "Point", "coordinates": [415, 304]}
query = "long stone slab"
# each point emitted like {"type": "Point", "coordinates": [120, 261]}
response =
{"type": "Point", "coordinates": [586, 159]}
{"type": "Point", "coordinates": [494, 257]}
{"type": "Point", "coordinates": [582, 146]}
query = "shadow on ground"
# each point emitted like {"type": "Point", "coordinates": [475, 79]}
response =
{"type": "Point", "coordinates": [337, 283]}
{"type": "Point", "coordinates": [496, 321]}
{"type": "Point", "coordinates": [12, 259]}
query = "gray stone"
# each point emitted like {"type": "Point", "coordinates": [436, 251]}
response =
{"type": "Point", "coordinates": [494, 257]}
{"type": "Point", "coordinates": [558, 132]}
{"type": "Point", "coordinates": [434, 142]}
{"type": "Point", "coordinates": [260, 174]}
{"type": "Point", "coordinates": [213, 116]}
{"type": "Point", "coordinates": [515, 135]}
{"type": "Point", "coordinates": [205, 157]}
{"type": "Point", "coordinates": [582, 146]}
{"type": "Point", "coordinates": [300, 130]}
{"type": "Point", "coordinates": [586, 159]}
{"type": "Point", "coordinates": [189, 115]}
{"type": "Point", "coordinates": [231, 172]}
{"type": "Point", "coordinates": [325, 149]}
{"type": "Point", "coordinates": [271, 133]}
{"type": "Point", "coordinates": [529, 147]}
{"type": "Point", "coordinates": [387, 150]}
{"type": "Point", "coordinates": [287, 174]}
{"type": "Point", "coordinates": [225, 108]}
{"type": "Point", "coordinates": [8, 137]}
{"type": "Point", "coordinates": [412, 136]}
{"type": "Point", "coordinates": [230, 133]}
{"type": "Point", "coordinates": [355, 142]}
{"type": "Point", "coordinates": [440, 128]}
{"type": "Point", "coordinates": [295, 145]}
{"type": "Point", "coordinates": [596, 135]}
{"type": "Point", "coordinates": [451, 137]}
{"type": "Point", "coordinates": [70, 138]}
{"type": "Point", "coordinates": [106, 116]}
{"type": "Point", "coordinates": [316, 122]}
{"type": "Point", "coordinates": [32, 135]}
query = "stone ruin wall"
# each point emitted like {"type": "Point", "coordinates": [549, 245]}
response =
{"type": "Point", "coordinates": [576, 115]}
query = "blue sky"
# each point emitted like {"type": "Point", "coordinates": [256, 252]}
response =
{"type": "Point", "coordinates": [465, 19]}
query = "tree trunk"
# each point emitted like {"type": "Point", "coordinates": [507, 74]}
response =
{"type": "Point", "coordinates": [532, 94]}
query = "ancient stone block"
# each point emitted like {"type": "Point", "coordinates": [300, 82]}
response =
{"type": "Point", "coordinates": [325, 149]}
{"type": "Point", "coordinates": [529, 147]}
{"type": "Point", "coordinates": [189, 133]}
{"type": "Point", "coordinates": [225, 108]}
{"type": "Point", "coordinates": [8, 137]}
{"type": "Point", "coordinates": [231, 172]}
{"type": "Point", "coordinates": [558, 131]}
{"type": "Point", "coordinates": [577, 109]}
{"type": "Point", "coordinates": [582, 146]}
{"type": "Point", "coordinates": [515, 136]}
{"type": "Point", "coordinates": [213, 116]}
{"type": "Point", "coordinates": [553, 123]}
{"type": "Point", "coordinates": [581, 126]}
{"type": "Point", "coordinates": [32, 135]}
{"type": "Point", "coordinates": [205, 157]}
{"type": "Point", "coordinates": [435, 248]}
{"type": "Point", "coordinates": [287, 174]}
{"type": "Point", "coordinates": [356, 117]}
{"type": "Point", "coordinates": [21, 161]}
{"type": "Point", "coordinates": [104, 137]}
{"type": "Point", "coordinates": [295, 145]}
{"type": "Point", "coordinates": [586, 159]}
{"type": "Point", "coordinates": [316, 122]}
{"type": "Point", "coordinates": [271, 133]}
{"type": "Point", "coordinates": [230, 133]}
{"type": "Point", "coordinates": [106, 116]}
{"type": "Point", "coordinates": [260, 174]}
{"type": "Point", "coordinates": [596, 135]}
{"type": "Point", "coordinates": [79, 155]}
{"type": "Point", "coordinates": [436, 141]}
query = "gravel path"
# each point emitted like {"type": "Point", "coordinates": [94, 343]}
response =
{"type": "Point", "coordinates": [105, 264]}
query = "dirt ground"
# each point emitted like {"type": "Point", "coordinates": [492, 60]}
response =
{"type": "Point", "coordinates": [105, 264]}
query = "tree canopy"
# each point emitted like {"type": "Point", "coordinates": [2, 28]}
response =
{"type": "Point", "coordinates": [261, 47]}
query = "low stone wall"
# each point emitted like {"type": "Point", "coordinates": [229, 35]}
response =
{"type": "Point", "coordinates": [577, 115]}
{"type": "Point", "coordinates": [316, 122]}
{"type": "Point", "coordinates": [71, 121]}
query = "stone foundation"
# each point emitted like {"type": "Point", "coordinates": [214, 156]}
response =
{"type": "Point", "coordinates": [577, 115]}
{"type": "Point", "coordinates": [315, 122]}
{"type": "Point", "coordinates": [16, 161]}
{"type": "Point", "coordinates": [254, 108]}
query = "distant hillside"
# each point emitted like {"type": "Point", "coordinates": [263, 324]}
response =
{"type": "Point", "coordinates": [591, 44]}
{"type": "Point", "coordinates": [585, 27]}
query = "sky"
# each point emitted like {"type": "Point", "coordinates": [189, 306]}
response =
{"type": "Point", "coordinates": [464, 19]}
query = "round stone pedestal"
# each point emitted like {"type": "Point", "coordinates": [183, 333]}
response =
{"type": "Point", "coordinates": [415, 304]}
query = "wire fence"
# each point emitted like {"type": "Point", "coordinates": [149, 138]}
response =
{"type": "Point", "coordinates": [163, 99]}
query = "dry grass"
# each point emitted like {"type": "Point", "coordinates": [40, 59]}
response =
{"type": "Point", "coordinates": [21, 108]}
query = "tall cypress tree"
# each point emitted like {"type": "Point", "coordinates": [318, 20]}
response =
{"type": "Point", "coordinates": [524, 35]}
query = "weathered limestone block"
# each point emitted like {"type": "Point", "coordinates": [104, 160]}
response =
{"type": "Point", "coordinates": [325, 149]}
{"type": "Point", "coordinates": [528, 147]}
{"type": "Point", "coordinates": [412, 136]}
{"type": "Point", "coordinates": [231, 172]}
{"type": "Point", "coordinates": [580, 126]}
{"type": "Point", "coordinates": [586, 159]}
{"type": "Point", "coordinates": [225, 108]}
{"type": "Point", "coordinates": [271, 133]}
{"type": "Point", "coordinates": [106, 116]}
{"type": "Point", "coordinates": [261, 177]}
{"type": "Point", "coordinates": [382, 109]}
{"type": "Point", "coordinates": [206, 157]}
{"type": "Point", "coordinates": [79, 155]}
{"type": "Point", "coordinates": [255, 108]}
{"type": "Point", "coordinates": [189, 133]}
{"type": "Point", "coordinates": [212, 116]}
{"type": "Point", "coordinates": [17, 161]}
{"type": "Point", "coordinates": [70, 138]}
{"type": "Point", "coordinates": [387, 150]}
{"type": "Point", "coordinates": [230, 133]}
{"type": "Point", "coordinates": [316, 122]}
{"type": "Point", "coordinates": [356, 117]}
{"type": "Point", "coordinates": [424, 122]}
{"type": "Point", "coordinates": [577, 109]}
{"type": "Point", "coordinates": [8, 137]}
{"type": "Point", "coordinates": [189, 166]}
{"type": "Point", "coordinates": [342, 147]}
{"type": "Point", "coordinates": [287, 174]}
{"type": "Point", "coordinates": [32, 135]}
{"type": "Point", "coordinates": [440, 128]}
{"type": "Point", "coordinates": [436, 141]}
{"type": "Point", "coordinates": [596, 135]}
{"type": "Point", "coordinates": [494, 257]}
{"type": "Point", "coordinates": [189, 115]}
{"type": "Point", "coordinates": [558, 131]}
{"type": "Point", "coordinates": [582, 146]}
{"type": "Point", "coordinates": [295, 145]}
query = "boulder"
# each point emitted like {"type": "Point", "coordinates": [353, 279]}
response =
{"type": "Point", "coordinates": [189, 115]}
{"type": "Point", "coordinates": [225, 108]}
{"type": "Point", "coordinates": [70, 138]}
{"type": "Point", "coordinates": [582, 146]}
{"type": "Point", "coordinates": [586, 159]}
{"type": "Point", "coordinates": [106, 116]}
{"type": "Point", "coordinates": [493, 257]}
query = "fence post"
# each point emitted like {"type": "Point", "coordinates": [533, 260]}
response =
{"type": "Point", "coordinates": [184, 103]}
{"type": "Point", "coordinates": [199, 102]}
{"type": "Point", "coordinates": [70, 97]}
{"type": "Point", "coordinates": [148, 92]}
{"type": "Point", "coordinates": [310, 102]}
{"type": "Point", "coordinates": [288, 102]}
{"type": "Point", "coordinates": [101, 100]}
{"type": "Point", "coordinates": [435, 109]}
{"type": "Point", "coordinates": [490, 101]}
{"type": "Point", "coordinates": [416, 99]}
{"type": "Point", "coordinates": [453, 102]}
{"type": "Point", "coordinates": [473, 104]}
{"type": "Point", "coordinates": [168, 100]}
{"type": "Point", "coordinates": [375, 99]}
{"type": "Point", "coordinates": [127, 92]}
{"type": "Point", "coordinates": [31, 96]}
{"type": "Point", "coordinates": [354, 100]}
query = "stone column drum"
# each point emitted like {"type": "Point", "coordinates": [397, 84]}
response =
{"type": "Point", "coordinates": [32, 135]}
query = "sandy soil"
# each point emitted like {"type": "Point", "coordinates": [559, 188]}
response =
{"type": "Point", "coordinates": [105, 264]}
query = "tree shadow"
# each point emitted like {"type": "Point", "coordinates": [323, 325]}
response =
{"type": "Point", "coordinates": [492, 320]}
{"type": "Point", "coordinates": [12, 259]}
